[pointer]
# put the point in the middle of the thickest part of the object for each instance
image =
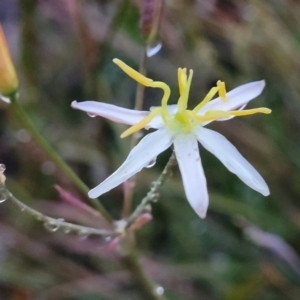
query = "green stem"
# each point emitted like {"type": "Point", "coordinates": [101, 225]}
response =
{"type": "Point", "coordinates": [42, 142]}
{"type": "Point", "coordinates": [152, 195]}
{"type": "Point", "coordinates": [127, 247]}
{"type": "Point", "coordinates": [131, 262]}
{"type": "Point", "coordinates": [55, 224]}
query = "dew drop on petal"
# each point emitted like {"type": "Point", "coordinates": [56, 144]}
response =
{"type": "Point", "coordinates": [151, 163]}
{"type": "Point", "coordinates": [91, 115]}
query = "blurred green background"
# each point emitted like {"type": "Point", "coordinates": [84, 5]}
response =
{"type": "Point", "coordinates": [248, 246]}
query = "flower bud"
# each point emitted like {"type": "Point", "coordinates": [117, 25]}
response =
{"type": "Point", "coordinates": [151, 13]}
{"type": "Point", "coordinates": [8, 76]}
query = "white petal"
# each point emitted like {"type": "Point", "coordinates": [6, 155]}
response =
{"type": "Point", "coordinates": [219, 146]}
{"type": "Point", "coordinates": [139, 157]}
{"type": "Point", "coordinates": [5, 99]}
{"type": "Point", "coordinates": [111, 112]}
{"type": "Point", "coordinates": [194, 181]}
{"type": "Point", "coordinates": [236, 98]}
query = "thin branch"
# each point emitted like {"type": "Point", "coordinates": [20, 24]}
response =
{"type": "Point", "coordinates": [149, 290]}
{"type": "Point", "coordinates": [53, 224]}
{"type": "Point", "coordinates": [152, 195]}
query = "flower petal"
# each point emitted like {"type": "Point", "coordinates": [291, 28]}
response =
{"type": "Point", "coordinates": [236, 98]}
{"type": "Point", "coordinates": [219, 146]}
{"type": "Point", "coordinates": [194, 181]}
{"type": "Point", "coordinates": [139, 157]}
{"type": "Point", "coordinates": [111, 112]}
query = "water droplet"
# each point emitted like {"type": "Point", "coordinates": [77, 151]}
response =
{"type": "Point", "coordinates": [2, 168]}
{"type": "Point", "coordinates": [151, 163]}
{"type": "Point", "coordinates": [153, 185]}
{"type": "Point", "coordinates": [53, 225]}
{"type": "Point", "coordinates": [83, 234]}
{"type": "Point", "coordinates": [91, 115]}
{"type": "Point", "coordinates": [154, 197]}
{"type": "Point", "coordinates": [159, 290]}
{"type": "Point", "coordinates": [153, 49]}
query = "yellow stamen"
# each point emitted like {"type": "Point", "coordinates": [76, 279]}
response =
{"type": "Point", "coordinates": [167, 92]}
{"type": "Point", "coordinates": [222, 90]}
{"type": "Point", "coordinates": [246, 112]}
{"type": "Point", "coordinates": [183, 100]}
{"type": "Point", "coordinates": [133, 73]}
{"type": "Point", "coordinates": [180, 85]}
{"type": "Point", "coordinates": [149, 83]}
{"type": "Point", "coordinates": [140, 125]}
{"type": "Point", "coordinates": [207, 98]}
{"type": "Point", "coordinates": [188, 84]}
{"type": "Point", "coordinates": [184, 120]}
{"type": "Point", "coordinates": [219, 114]}
{"type": "Point", "coordinates": [183, 78]}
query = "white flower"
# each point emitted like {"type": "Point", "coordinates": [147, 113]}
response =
{"type": "Point", "coordinates": [183, 128]}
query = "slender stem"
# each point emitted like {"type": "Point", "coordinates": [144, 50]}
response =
{"type": "Point", "coordinates": [148, 289]}
{"type": "Point", "coordinates": [53, 224]}
{"type": "Point", "coordinates": [42, 142]}
{"type": "Point", "coordinates": [139, 99]}
{"type": "Point", "coordinates": [127, 247]}
{"type": "Point", "coordinates": [130, 260]}
{"type": "Point", "coordinates": [152, 195]}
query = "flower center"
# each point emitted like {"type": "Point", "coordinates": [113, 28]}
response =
{"type": "Point", "coordinates": [184, 120]}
